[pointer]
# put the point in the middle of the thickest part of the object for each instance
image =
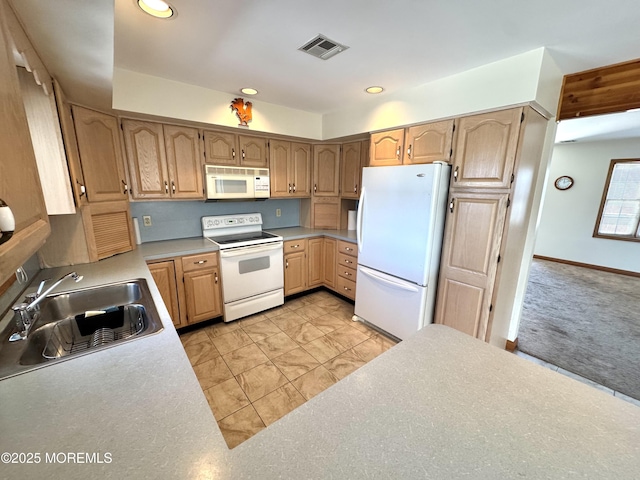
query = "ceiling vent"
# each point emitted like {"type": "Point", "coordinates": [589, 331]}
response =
{"type": "Point", "coordinates": [321, 47]}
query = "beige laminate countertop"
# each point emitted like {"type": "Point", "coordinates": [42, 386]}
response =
{"type": "Point", "coordinates": [438, 405]}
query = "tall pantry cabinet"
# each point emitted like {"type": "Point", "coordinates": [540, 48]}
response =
{"type": "Point", "coordinates": [494, 155]}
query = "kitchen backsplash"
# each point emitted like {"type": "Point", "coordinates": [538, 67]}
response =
{"type": "Point", "coordinates": [172, 220]}
{"type": "Point", "coordinates": [31, 268]}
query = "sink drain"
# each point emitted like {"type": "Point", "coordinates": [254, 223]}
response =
{"type": "Point", "coordinates": [102, 336]}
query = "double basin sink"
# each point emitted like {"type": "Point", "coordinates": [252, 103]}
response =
{"type": "Point", "coordinates": [80, 322]}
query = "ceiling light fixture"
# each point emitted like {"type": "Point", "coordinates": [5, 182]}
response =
{"type": "Point", "coordinates": [249, 91]}
{"type": "Point", "coordinates": [156, 8]}
{"type": "Point", "coordinates": [374, 90]}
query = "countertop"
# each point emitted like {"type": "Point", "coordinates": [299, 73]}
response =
{"type": "Point", "coordinates": [438, 405]}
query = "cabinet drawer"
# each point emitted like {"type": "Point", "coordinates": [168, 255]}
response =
{"type": "Point", "coordinates": [199, 262]}
{"type": "Point", "coordinates": [346, 287]}
{"type": "Point", "coordinates": [292, 246]}
{"type": "Point", "coordinates": [346, 272]}
{"type": "Point", "coordinates": [347, 260]}
{"type": "Point", "coordinates": [347, 248]}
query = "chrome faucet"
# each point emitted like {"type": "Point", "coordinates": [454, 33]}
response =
{"type": "Point", "coordinates": [26, 314]}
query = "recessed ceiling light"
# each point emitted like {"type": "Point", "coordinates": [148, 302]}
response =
{"type": "Point", "coordinates": [157, 8]}
{"type": "Point", "coordinates": [249, 91]}
{"type": "Point", "coordinates": [374, 90]}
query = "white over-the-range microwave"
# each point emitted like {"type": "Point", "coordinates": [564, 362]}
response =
{"type": "Point", "coordinates": [236, 183]}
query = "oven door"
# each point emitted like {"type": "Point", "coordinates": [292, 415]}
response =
{"type": "Point", "coordinates": [249, 271]}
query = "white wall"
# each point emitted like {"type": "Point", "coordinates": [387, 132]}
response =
{"type": "Point", "coordinates": [140, 93]}
{"type": "Point", "coordinates": [568, 217]}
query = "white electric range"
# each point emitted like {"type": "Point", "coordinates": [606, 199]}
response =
{"type": "Point", "coordinates": [251, 263]}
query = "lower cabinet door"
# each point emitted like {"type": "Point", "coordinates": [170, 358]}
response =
{"type": "Point", "coordinates": [164, 274]}
{"type": "Point", "coordinates": [315, 262]}
{"type": "Point", "coordinates": [295, 273]}
{"type": "Point", "coordinates": [202, 292]}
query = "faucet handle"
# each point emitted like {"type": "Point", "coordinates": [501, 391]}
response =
{"type": "Point", "coordinates": [41, 286]}
{"type": "Point", "coordinates": [23, 321]}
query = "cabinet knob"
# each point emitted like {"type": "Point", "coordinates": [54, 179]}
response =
{"type": "Point", "coordinates": [455, 174]}
{"type": "Point", "coordinates": [83, 190]}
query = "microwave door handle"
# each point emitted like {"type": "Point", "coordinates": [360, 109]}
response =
{"type": "Point", "coordinates": [237, 252]}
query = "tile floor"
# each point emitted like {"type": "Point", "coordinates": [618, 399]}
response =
{"type": "Point", "coordinates": [579, 378]}
{"type": "Point", "coordinates": [255, 370]}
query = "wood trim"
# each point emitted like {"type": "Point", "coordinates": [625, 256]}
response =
{"type": "Point", "coordinates": [511, 345]}
{"type": "Point", "coordinates": [6, 285]}
{"type": "Point", "coordinates": [628, 273]}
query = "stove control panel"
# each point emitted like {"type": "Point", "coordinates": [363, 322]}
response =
{"type": "Point", "coordinates": [230, 221]}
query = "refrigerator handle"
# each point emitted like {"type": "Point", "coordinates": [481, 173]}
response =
{"type": "Point", "coordinates": [399, 286]}
{"type": "Point", "coordinates": [359, 238]}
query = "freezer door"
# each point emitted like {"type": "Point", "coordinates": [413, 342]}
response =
{"type": "Point", "coordinates": [398, 219]}
{"type": "Point", "coordinates": [395, 306]}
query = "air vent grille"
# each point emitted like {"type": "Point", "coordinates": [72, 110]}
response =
{"type": "Point", "coordinates": [323, 48]}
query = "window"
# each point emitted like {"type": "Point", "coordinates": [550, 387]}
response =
{"type": "Point", "coordinates": [619, 214]}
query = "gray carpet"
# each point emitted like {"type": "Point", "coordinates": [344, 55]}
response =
{"type": "Point", "coordinates": [585, 321]}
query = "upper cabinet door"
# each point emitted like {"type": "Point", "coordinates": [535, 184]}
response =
{"type": "Point", "coordinates": [184, 161]}
{"type": "Point", "coordinates": [485, 149]}
{"type": "Point", "coordinates": [253, 151]}
{"type": "Point", "coordinates": [350, 170]}
{"type": "Point", "coordinates": [279, 176]}
{"type": "Point", "coordinates": [326, 170]}
{"type": "Point", "coordinates": [300, 170]}
{"type": "Point", "coordinates": [100, 155]}
{"type": "Point", "coordinates": [144, 142]}
{"type": "Point", "coordinates": [220, 148]}
{"type": "Point", "coordinates": [428, 143]}
{"type": "Point", "coordinates": [386, 148]}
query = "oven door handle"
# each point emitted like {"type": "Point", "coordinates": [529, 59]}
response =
{"type": "Point", "coordinates": [240, 251]}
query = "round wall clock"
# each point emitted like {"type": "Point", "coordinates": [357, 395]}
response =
{"type": "Point", "coordinates": [564, 182]}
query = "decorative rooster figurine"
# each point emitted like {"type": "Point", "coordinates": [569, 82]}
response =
{"type": "Point", "coordinates": [243, 110]}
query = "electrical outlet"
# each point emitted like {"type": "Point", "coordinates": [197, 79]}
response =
{"type": "Point", "coordinates": [146, 220]}
{"type": "Point", "coordinates": [278, 212]}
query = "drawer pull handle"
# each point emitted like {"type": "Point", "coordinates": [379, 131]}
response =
{"type": "Point", "coordinates": [233, 152]}
{"type": "Point", "coordinates": [173, 187]}
{"type": "Point", "coordinates": [126, 187]}
{"type": "Point", "coordinates": [216, 277]}
{"type": "Point", "coordinates": [348, 249]}
{"type": "Point", "coordinates": [455, 174]}
{"type": "Point", "coordinates": [315, 187]}
{"type": "Point", "coordinates": [199, 262]}
{"type": "Point", "coordinates": [347, 274]}
{"type": "Point", "coordinates": [409, 152]}
{"type": "Point", "coordinates": [294, 188]}
{"type": "Point", "coordinates": [286, 264]}
{"type": "Point", "coordinates": [348, 261]}
{"type": "Point", "coordinates": [243, 153]}
{"type": "Point", "coordinates": [290, 188]}
{"type": "Point", "coordinates": [347, 289]}
{"type": "Point", "coordinates": [166, 187]}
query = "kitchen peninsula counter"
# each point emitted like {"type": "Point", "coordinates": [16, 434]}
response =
{"type": "Point", "coordinates": [438, 405]}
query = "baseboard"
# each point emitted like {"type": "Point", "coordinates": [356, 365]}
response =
{"type": "Point", "coordinates": [511, 345]}
{"type": "Point", "coordinates": [588, 265]}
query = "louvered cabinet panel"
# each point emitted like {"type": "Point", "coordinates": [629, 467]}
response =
{"type": "Point", "coordinates": [108, 229]}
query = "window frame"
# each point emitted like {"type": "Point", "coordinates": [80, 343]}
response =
{"type": "Point", "coordinates": [607, 185]}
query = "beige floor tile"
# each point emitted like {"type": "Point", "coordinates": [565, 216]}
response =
{"type": "Point", "coordinates": [222, 328]}
{"type": "Point", "coordinates": [328, 323]}
{"type": "Point", "coordinates": [201, 352]}
{"type": "Point", "coordinates": [274, 312]}
{"type": "Point", "coordinates": [324, 349]}
{"type": "Point", "coordinates": [239, 426]}
{"type": "Point", "coordinates": [330, 302]}
{"type": "Point", "coordinates": [226, 398]}
{"type": "Point", "coordinates": [212, 372]}
{"type": "Point", "coordinates": [374, 346]}
{"type": "Point", "coordinates": [348, 336]}
{"type": "Point", "coordinates": [253, 319]}
{"type": "Point", "coordinates": [278, 403]}
{"type": "Point", "coordinates": [192, 338]}
{"type": "Point", "coordinates": [368, 331]}
{"type": "Point", "coordinates": [288, 320]}
{"type": "Point", "coordinates": [297, 303]}
{"type": "Point", "coordinates": [304, 333]}
{"type": "Point", "coordinates": [276, 345]}
{"type": "Point", "coordinates": [312, 383]}
{"type": "Point", "coordinates": [344, 313]}
{"type": "Point", "coordinates": [244, 358]}
{"type": "Point", "coordinates": [295, 363]}
{"type": "Point", "coordinates": [231, 341]}
{"type": "Point", "coordinates": [262, 330]}
{"type": "Point", "coordinates": [311, 311]}
{"type": "Point", "coordinates": [344, 364]}
{"type": "Point", "coordinates": [261, 380]}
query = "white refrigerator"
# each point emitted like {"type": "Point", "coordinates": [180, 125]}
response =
{"type": "Point", "coordinates": [400, 223]}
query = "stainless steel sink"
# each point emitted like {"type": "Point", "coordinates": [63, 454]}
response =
{"type": "Point", "coordinates": [80, 322]}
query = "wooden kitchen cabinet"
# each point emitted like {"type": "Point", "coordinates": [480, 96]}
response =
{"type": "Point", "coordinates": [164, 160]}
{"type": "Point", "coordinates": [469, 262]}
{"type": "Point", "coordinates": [347, 261]}
{"type": "Point", "coordinates": [315, 265]}
{"type": "Point", "coordinates": [485, 149]}
{"type": "Point", "coordinates": [19, 180]}
{"type": "Point", "coordinates": [326, 170]}
{"type": "Point", "coordinates": [221, 148]}
{"type": "Point", "coordinates": [295, 266]}
{"type": "Point", "coordinates": [201, 281]}
{"type": "Point", "coordinates": [426, 143]}
{"type": "Point", "coordinates": [290, 169]}
{"type": "Point", "coordinates": [329, 262]}
{"type": "Point", "coordinates": [351, 170]}
{"type": "Point", "coordinates": [164, 274]}
{"type": "Point", "coordinates": [100, 152]}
